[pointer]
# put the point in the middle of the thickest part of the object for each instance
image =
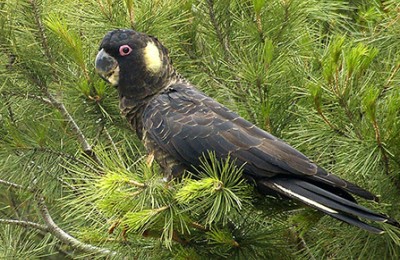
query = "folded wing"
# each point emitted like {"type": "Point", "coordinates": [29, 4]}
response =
{"type": "Point", "coordinates": [187, 124]}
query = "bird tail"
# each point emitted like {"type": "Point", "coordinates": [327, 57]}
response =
{"type": "Point", "coordinates": [328, 202]}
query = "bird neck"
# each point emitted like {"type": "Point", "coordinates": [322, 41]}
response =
{"type": "Point", "coordinates": [132, 109]}
{"type": "Point", "coordinates": [138, 83]}
{"type": "Point", "coordinates": [132, 106]}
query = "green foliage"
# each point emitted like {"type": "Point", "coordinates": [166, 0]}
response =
{"type": "Point", "coordinates": [218, 194]}
{"type": "Point", "coordinates": [17, 243]}
{"type": "Point", "coordinates": [322, 75]}
{"type": "Point", "coordinates": [369, 103]}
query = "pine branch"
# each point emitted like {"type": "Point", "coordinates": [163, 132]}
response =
{"type": "Point", "coordinates": [65, 156]}
{"type": "Point", "coordinates": [326, 120]}
{"type": "Point", "coordinates": [43, 37]}
{"type": "Point", "coordinates": [10, 111]}
{"type": "Point", "coordinates": [26, 95]}
{"type": "Point", "coordinates": [157, 234]}
{"type": "Point", "coordinates": [43, 230]}
{"type": "Point", "coordinates": [71, 187]}
{"type": "Point", "coordinates": [11, 184]}
{"type": "Point", "coordinates": [131, 12]}
{"type": "Point", "coordinates": [222, 40]}
{"type": "Point", "coordinates": [259, 26]}
{"type": "Point", "coordinates": [63, 236]}
{"type": "Point", "coordinates": [298, 238]}
{"type": "Point", "coordinates": [113, 144]}
{"type": "Point", "coordinates": [380, 145]}
{"type": "Point", "coordinates": [199, 227]}
{"type": "Point", "coordinates": [50, 226]}
{"type": "Point", "coordinates": [137, 184]}
{"type": "Point", "coordinates": [84, 143]}
{"type": "Point", "coordinates": [25, 224]}
{"type": "Point", "coordinates": [13, 204]}
{"type": "Point", "coordinates": [350, 116]}
{"type": "Point", "coordinates": [107, 13]}
{"type": "Point", "coordinates": [384, 153]}
{"type": "Point", "coordinates": [86, 147]}
{"type": "Point", "coordinates": [303, 245]}
{"type": "Point", "coordinates": [390, 79]}
{"type": "Point", "coordinates": [285, 22]}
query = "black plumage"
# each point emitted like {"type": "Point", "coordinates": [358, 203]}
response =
{"type": "Point", "coordinates": [178, 124]}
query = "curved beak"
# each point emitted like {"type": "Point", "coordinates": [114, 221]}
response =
{"type": "Point", "coordinates": [107, 67]}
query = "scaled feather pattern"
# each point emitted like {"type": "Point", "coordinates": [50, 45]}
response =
{"type": "Point", "coordinates": [179, 124]}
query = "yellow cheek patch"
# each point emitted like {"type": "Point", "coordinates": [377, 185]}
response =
{"type": "Point", "coordinates": [114, 77]}
{"type": "Point", "coordinates": [152, 58]}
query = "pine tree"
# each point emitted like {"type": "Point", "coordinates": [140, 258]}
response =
{"type": "Point", "coordinates": [75, 181]}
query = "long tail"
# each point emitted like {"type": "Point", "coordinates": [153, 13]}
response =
{"type": "Point", "coordinates": [328, 202]}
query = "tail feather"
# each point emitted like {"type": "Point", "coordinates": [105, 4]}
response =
{"type": "Point", "coordinates": [339, 203]}
{"type": "Point", "coordinates": [336, 206]}
{"type": "Point", "coordinates": [335, 181]}
{"type": "Point", "coordinates": [357, 223]}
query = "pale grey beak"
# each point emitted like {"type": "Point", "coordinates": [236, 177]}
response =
{"type": "Point", "coordinates": [105, 64]}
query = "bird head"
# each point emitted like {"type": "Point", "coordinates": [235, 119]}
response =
{"type": "Point", "coordinates": [136, 63]}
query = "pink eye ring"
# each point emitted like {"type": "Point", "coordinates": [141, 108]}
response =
{"type": "Point", "coordinates": [125, 50]}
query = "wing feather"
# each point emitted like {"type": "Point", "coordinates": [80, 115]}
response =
{"type": "Point", "coordinates": [187, 124]}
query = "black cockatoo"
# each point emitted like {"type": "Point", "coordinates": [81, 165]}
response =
{"type": "Point", "coordinates": [178, 124]}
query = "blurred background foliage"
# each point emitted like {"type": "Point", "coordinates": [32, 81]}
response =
{"type": "Point", "coordinates": [321, 75]}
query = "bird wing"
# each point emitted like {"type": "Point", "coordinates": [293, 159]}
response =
{"type": "Point", "coordinates": [187, 124]}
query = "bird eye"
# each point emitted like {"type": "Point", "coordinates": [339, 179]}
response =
{"type": "Point", "coordinates": [125, 50]}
